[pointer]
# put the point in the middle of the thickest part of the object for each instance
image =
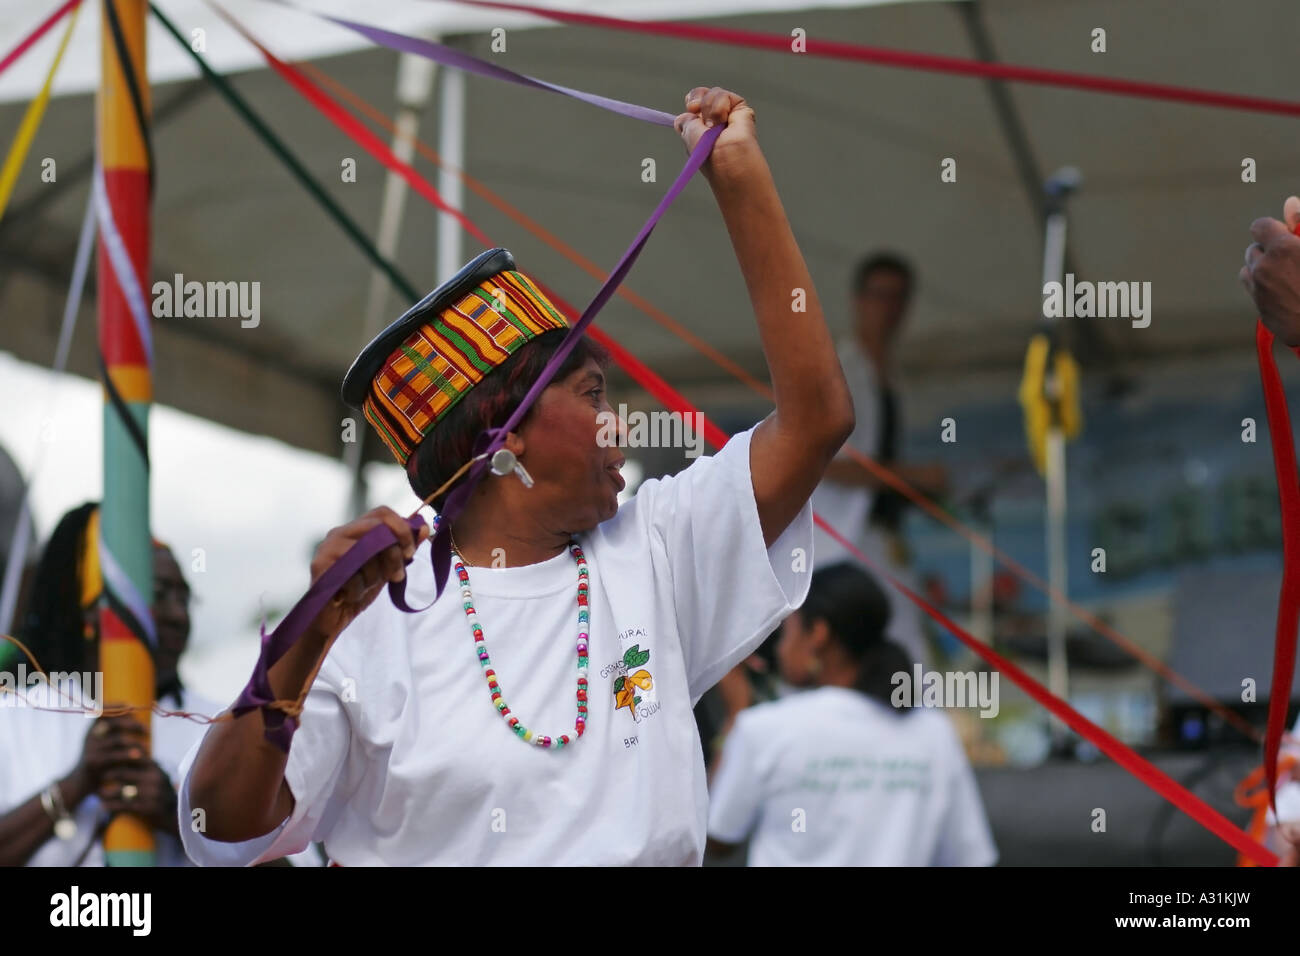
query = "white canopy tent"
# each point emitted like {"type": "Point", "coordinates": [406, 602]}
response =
{"type": "Point", "coordinates": [303, 38]}
{"type": "Point", "coordinates": [856, 150]}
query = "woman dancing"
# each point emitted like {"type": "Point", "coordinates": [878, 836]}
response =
{"type": "Point", "coordinates": [541, 711]}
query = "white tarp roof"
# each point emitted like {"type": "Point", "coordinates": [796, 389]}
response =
{"type": "Point", "coordinates": [300, 36]}
{"type": "Point", "coordinates": [856, 151]}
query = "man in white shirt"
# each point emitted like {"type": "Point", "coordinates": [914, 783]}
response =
{"type": "Point", "coordinates": [851, 498]}
{"type": "Point", "coordinates": [64, 775]}
{"type": "Point", "coordinates": [417, 745]}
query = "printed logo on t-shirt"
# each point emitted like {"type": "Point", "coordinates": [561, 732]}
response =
{"type": "Point", "coordinates": [633, 685]}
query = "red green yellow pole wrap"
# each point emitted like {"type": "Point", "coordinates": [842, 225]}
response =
{"type": "Point", "coordinates": [122, 200]}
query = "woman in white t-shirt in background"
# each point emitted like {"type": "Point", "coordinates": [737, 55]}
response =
{"type": "Point", "coordinates": [835, 775]}
{"type": "Point", "coordinates": [415, 747]}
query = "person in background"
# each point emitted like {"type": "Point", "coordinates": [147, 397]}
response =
{"type": "Point", "coordinates": [755, 680]}
{"type": "Point", "coordinates": [836, 775]}
{"type": "Point", "coordinates": [1271, 274]}
{"type": "Point", "coordinates": [851, 499]}
{"type": "Point", "coordinates": [64, 776]}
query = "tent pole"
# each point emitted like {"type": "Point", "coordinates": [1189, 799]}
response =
{"type": "Point", "coordinates": [1057, 621]}
{"type": "Point", "coordinates": [125, 548]}
{"type": "Point", "coordinates": [451, 147]}
{"type": "Point", "coordinates": [414, 84]}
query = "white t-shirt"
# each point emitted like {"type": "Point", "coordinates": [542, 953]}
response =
{"type": "Point", "coordinates": [402, 759]}
{"type": "Point", "coordinates": [38, 747]}
{"type": "Point", "coordinates": [830, 777]}
{"type": "Point", "coordinates": [847, 508]}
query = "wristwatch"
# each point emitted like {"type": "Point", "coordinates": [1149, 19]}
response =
{"type": "Point", "coordinates": [65, 828]}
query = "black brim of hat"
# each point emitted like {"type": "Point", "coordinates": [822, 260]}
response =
{"type": "Point", "coordinates": [356, 384]}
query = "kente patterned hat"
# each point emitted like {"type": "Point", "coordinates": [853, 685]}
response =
{"type": "Point", "coordinates": [416, 370]}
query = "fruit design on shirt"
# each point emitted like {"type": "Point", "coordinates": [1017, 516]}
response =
{"type": "Point", "coordinates": [627, 686]}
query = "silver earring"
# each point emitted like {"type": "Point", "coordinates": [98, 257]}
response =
{"type": "Point", "coordinates": [504, 462]}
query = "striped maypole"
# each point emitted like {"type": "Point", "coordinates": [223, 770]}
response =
{"type": "Point", "coordinates": [122, 197]}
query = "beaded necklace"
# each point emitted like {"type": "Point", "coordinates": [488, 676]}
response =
{"type": "Point", "coordinates": [522, 732]}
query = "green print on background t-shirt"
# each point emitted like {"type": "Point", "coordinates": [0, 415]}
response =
{"type": "Point", "coordinates": [849, 772]}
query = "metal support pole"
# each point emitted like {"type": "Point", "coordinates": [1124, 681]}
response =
{"type": "Point", "coordinates": [1058, 187]}
{"type": "Point", "coordinates": [414, 84]}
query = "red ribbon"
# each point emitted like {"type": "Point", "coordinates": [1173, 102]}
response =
{"type": "Point", "coordinates": [1288, 605]}
{"type": "Point", "coordinates": [933, 63]}
{"type": "Point", "coordinates": [36, 34]}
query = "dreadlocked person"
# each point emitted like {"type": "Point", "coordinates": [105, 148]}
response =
{"type": "Point", "coordinates": [417, 746]}
{"type": "Point", "coordinates": [65, 776]}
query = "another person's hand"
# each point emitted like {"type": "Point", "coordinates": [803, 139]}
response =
{"type": "Point", "coordinates": [707, 107]}
{"type": "Point", "coordinates": [1289, 834]}
{"type": "Point", "coordinates": [736, 691]}
{"type": "Point", "coordinates": [364, 586]}
{"type": "Point", "coordinates": [1272, 272]}
{"type": "Point", "coordinates": [151, 798]}
{"type": "Point", "coordinates": [112, 741]}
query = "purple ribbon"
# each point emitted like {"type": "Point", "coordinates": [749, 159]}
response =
{"type": "Point", "coordinates": [448, 56]}
{"type": "Point", "coordinates": [280, 726]}
{"type": "Point", "coordinates": [494, 438]}
{"type": "Point", "coordinates": [257, 693]}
